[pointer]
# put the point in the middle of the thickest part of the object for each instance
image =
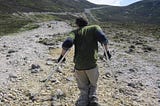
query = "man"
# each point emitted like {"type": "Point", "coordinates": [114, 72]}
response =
{"type": "Point", "coordinates": [86, 39]}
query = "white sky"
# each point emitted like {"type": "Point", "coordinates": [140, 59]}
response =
{"type": "Point", "coordinates": [114, 2]}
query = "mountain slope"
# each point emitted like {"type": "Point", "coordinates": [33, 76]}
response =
{"type": "Point", "coordinates": [10, 23]}
{"type": "Point", "coordinates": [146, 11]}
{"type": "Point", "coordinates": [10, 6]}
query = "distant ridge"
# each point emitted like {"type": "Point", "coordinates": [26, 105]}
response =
{"type": "Point", "coordinates": [10, 6]}
{"type": "Point", "coordinates": [146, 11]}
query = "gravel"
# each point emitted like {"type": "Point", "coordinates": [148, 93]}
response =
{"type": "Point", "coordinates": [136, 71]}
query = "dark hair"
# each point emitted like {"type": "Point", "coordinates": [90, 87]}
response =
{"type": "Point", "coordinates": [81, 22]}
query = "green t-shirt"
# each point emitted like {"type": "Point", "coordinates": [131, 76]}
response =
{"type": "Point", "coordinates": [86, 46]}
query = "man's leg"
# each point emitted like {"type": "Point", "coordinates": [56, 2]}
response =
{"type": "Point", "coordinates": [83, 85]}
{"type": "Point", "coordinates": [93, 75]}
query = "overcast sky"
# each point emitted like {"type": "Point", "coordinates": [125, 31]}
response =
{"type": "Point", "coordinates": [114, 2]}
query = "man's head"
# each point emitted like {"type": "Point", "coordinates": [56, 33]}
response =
{"type": "Point", "coordinates": [81, 22]}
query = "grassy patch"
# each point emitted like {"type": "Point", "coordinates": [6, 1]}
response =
{"type": "Point", "coordinates": [145, 29]}
{"type": "Point", "coordinates": [141, 29]}
{"type": "Point", "coordinates": [29, 26]}
{"type": "Point", "coordinates": [49, 17]}
{"type": "Point", "coordinates": [42, 17]}
{"type": "Point", "coordinates": [11, 24]}
{"type": "Point", "coordinates": [52, 41]}
{"type": "Point", "coordinates": [144, 13]}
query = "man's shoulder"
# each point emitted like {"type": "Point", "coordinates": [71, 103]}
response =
{"type": "Point", "coordinates": [73, 31]}
{"type": "Point", "coordinates": [93, 27]}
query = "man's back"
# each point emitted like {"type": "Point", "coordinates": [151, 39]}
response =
{"type": "Point", "coordinates": [86, 40]}
{"type": "Point", "coordinates": [86, 47]}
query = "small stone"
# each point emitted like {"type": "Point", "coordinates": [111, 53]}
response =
{"type": "Point", "coordinates": [70, 79]}
{"type": "Point", "coordinates": [47, 41]}
{"type": "Point", "coordinates": [35, 66]}
{"type": "Point", "coordinates": [1, 104]}
{"type": "Point", "coordinates": [11, 96]}
{"type": "Point", "coordinates": [48, 87]}
{"type": "Point", "coordinates": [54, 81]}
{"type": "Point", "coordinates": [12, 51]}
{"type": "Point", "coordinates": [158, 84]}
{"type": "Point", "coordinates": [132, 85]}
{"type": "Point", "coordinates": [4, 46]}
{"type": "Point", "coordinates": [119, 72]}
{"type": "Point", "coordinates": [54, 98]}
{"type": "Point", "coordinates": [101, 57]}
{"type": "Point", "coordinates": [131, 70]}
{"type": "Point", "coordinates": [115, 96]}
{"type": "Point", "coordinates": [8, 55]}
{"type": "Point", "coordinates": [13, 80]}
{"type": "Point", "coordinates": [2, 100]}
{"type": "Point", "coordinates": [121, 90]}
{"type": "Point", "coordinates": [54, 103]}
{"type": "Point", "coordinates": [147, 48]}
{"type": "Point", "coordinates": [130, 50]}
{"type": "Point", "coordinates": [108, 75]}
{"type": "Point", "coordinates": [37, 36]}
{"type": "Point", "coordinates": [35, 71]}
{"type": "Point", "coordinates": [42, 80]}
{"type": "Point", "coordinates": [140, 84]}
{"type": "Point", "coordinates": [12, 75]}
{"type": "Point", "coordinates": [27, 93]}
{"type": "Point", "coordinates": [59, 69]}
{"type": "Point", "coordinates": [132, 46]}
{"type": "Point", "coordinates": [50, 63]}
{"type": "Point", "coordinates": [60, 93]}
{"type": "Point", "coordinates": [25, 58]}
{"type": "Point", "coordinates": [14, 94]}
{"type": "Point", "coordinates": [52, 47]}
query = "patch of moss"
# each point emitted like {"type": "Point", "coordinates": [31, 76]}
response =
{"type": "Point", "coordinates": [11, 24]}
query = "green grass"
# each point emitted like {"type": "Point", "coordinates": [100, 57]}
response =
{"type": "Point", "coordinates": [29, 26]}
{"type": "Point", "coordinates": [141, 29]}
{"type": "Point", "coordinates": [11, 24]}
{"type": "Point", "coordinates": [142, 12]}
{"type": "Point", "coordinates": [12, 6]}
{"type": "Point", "coordinates": [50, 17]}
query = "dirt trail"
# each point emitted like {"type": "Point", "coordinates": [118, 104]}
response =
{"type": "Point", "coordinates": [88, 11]}
{"type": "Point", "coordinates": [17, 51]}
{"type": "Point", "coordinates": [25, 62]}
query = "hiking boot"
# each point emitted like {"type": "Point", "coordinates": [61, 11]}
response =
{"type": "Point", "coordinates": [82, 101]}
{"type": "Point", "coordinates": [94, 104]}
{"type": "Point", "coordinates": [81, 104]}
{"type": "Point", "coordinates": [93, 101]}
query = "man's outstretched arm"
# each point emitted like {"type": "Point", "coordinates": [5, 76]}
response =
{"type": "Point", "coordinates": [101, 37]}
{"type": "Point", "coordinates": [67, 44]}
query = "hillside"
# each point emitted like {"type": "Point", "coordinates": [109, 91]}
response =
{"type": "Point", "coordinates": [10, 23]}
{"type": "Point", "coordinates": [146, 11]}
{"type": "Point", "coordinates": [10, 6]}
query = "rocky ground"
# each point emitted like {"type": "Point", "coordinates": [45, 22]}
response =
{"type": "Point", "coordinates": [131, 78]}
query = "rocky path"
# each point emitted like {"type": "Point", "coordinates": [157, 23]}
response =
{"type": "Point", "coordinates": [22, 49]}
{"type": "Point", "coordinates": [19, 52]}
{"type": "Point", "coordinates": [136, 65]}
{"type": "Point", "coordinates": [28, 57]}
{"type": "Point", "coordinates": [88, 11]}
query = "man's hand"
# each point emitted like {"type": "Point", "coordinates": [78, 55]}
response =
{"type": "Point", "coordinates": [61, 58]}
{"type": "Point", "coordinates": [108, 54]}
